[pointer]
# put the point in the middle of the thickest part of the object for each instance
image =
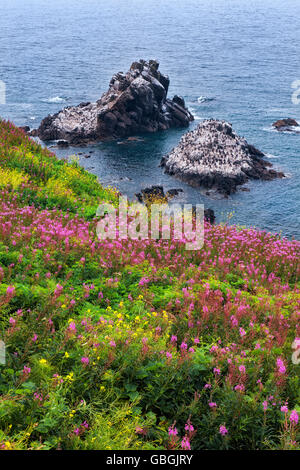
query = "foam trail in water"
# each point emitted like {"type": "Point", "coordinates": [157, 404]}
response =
{"type": "Point", "coordinates": [55, 99]}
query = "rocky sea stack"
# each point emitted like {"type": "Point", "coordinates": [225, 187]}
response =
{"type": "Point", "coordinates": [213, 156]}
{"type": "Point", "coordinates": [136, 102]}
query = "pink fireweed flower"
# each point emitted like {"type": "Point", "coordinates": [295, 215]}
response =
{"type": "Point", "coordinates": [284, 409]}
{"type": "Point", "coordinates": [280, 366]}
{"type": "Point", "coordinates": [58, 290]}
{"type": "Point", "coordinates": [212, 404]}
{"type": "Point", "coordinates": [85, 360]}
{"type": "Point", "coordinates": [294, 417]}
{"type": "Point", "coordinates": [222, 430]}
{"type": "Point", "coordinates": [172, 431]}
{"type": "Point", "coordinates": [140, 430]}
{"type": "Point", "coordinates": [242, 369]}
{"type": "Point", "coordinates": [173, 339]}
{"type": "Point", "coordinates": [72, 327]}
{"type": "Point", "coordinates": [185, 444]}
{"type": "Point", "coordinates": [207, 386]}
{"type": "Point", "coordinates": [112, 343]}
{"type": "Point", "coordinates": [189, 427]}
{"type": "Point", "coordinates": [12, 321]}
{"type": "Point", "coordinates": [37, 397]}
{"type": "Point", "coordinates": [242, 332]}
{"type": "Point", "coordinates": [196, 340]}
{"type": "Point", "coordinates": [10, 290]}
{"type": "Point", "coordinates": [183, 346]}
{"type": "Point", "coordinates": [265, 405]}
{"type": "Point", "coordinates": [34, 338]}
{"type": "Point", "coordinates": [169, 355]}
{"type": "Point", "coordinates": [217, 371]}
{"type": "Point", "coordinates": [26, 370]}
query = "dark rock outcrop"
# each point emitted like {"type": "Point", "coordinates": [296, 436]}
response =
{"type": "Point", "coordinates": [213, 156]}
{"type": "Point", "coordinates": [136, 102]}
{"type": "Point", "coordinates": [157, 193]}
{"type": "Point", "coordinates": [63, 143]}
{"type": "Point", "coordinates": [25, 129]}
{"type": "Point", "coordinates": [286, 124]}
{"type": "Point", "coordinates": [209, 216]}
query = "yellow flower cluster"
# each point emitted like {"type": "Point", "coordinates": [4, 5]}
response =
{"type": "Point", "coordinates": [59, 188]}
{"type": "Point", "coordinates": [12, 178]}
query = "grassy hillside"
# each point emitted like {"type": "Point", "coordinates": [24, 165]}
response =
{"type": "Point", "coordinates": [137, 344]}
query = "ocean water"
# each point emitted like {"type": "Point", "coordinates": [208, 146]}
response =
{"type": "Point", "coordinates": [230, 59]}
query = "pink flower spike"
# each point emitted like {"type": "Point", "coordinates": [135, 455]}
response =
{"type": "Point", "coordinates": [172, 431]}
{"type": "Point", "coordinates": [185, 444]}
{"type": "Point", "coordinates": [294, 417]}
{"type": "Point", "coordinates": [223, 430]}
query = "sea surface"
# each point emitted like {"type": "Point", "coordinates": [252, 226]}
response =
{"type": "Point", "coordinates": [230, 59]}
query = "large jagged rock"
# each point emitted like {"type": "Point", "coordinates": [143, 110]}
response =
{"type": "Point", "coordinates": [213, 156]}
{"type": "Point", "coordinates": [136, 102]}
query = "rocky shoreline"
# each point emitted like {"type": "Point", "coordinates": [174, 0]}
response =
{"type": "Point", "coordinates": [136, 102]}
{"type": "Point", "coordinates": [214, 157]}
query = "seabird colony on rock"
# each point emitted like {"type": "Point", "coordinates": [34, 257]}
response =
{"type": "Point", "coordinates": [215, 157]}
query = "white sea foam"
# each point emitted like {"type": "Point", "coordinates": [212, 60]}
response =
{"type": "Point", "coordinates": [292, 130]}
{"type": "Point", "coordinates": [194, 113]}
{"type": "Point", "coordinates": [204, 99]}
{"type": "Point", "coordinates": [54, 99]}
{"type": "Point", "coordinates": [269, 129]}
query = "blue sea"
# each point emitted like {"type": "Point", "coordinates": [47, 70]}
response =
{"type": "Point", "coordinates": [230, 59]}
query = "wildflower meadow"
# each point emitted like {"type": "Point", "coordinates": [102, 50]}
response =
{"type": "Point", "coordinates": [137, 344]}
